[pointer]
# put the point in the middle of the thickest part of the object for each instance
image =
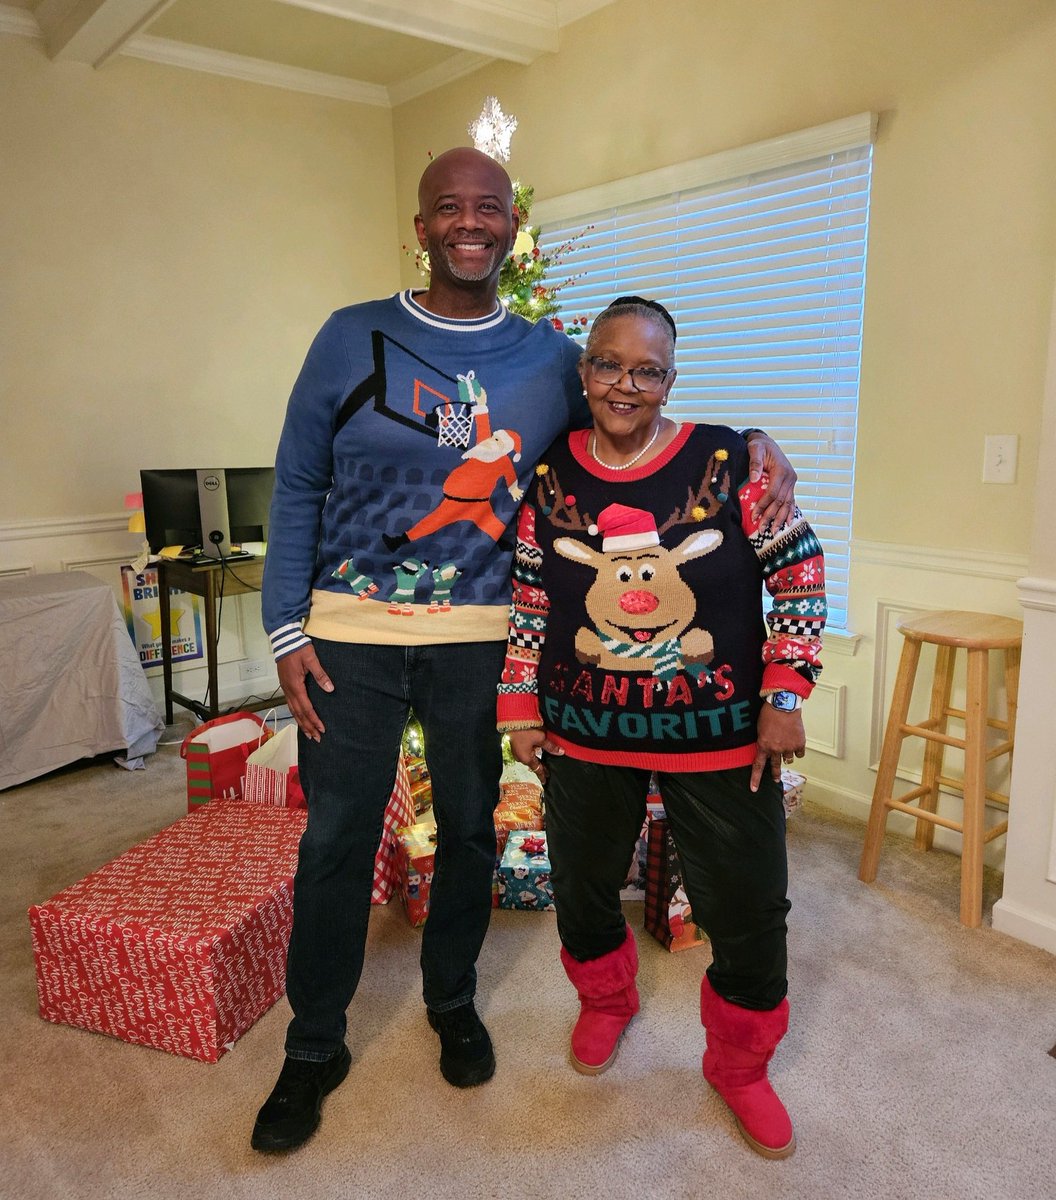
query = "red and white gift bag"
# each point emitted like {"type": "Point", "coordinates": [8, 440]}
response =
{"type": "Point", "coordinates": [399, 812]}
{"type": "Point", "coordinates": [216, 754]}
{"type": "Point", "coordinates": [271, 772]}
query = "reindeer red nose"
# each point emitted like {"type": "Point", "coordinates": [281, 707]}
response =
{"type": "Point", "coordinates": [638, 602]}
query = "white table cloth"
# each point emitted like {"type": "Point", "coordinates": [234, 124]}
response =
{"type": "Point", "coordinates": [71, 684]}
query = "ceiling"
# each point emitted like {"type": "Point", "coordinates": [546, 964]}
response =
{"type": "Point", "coordinates": [380, 52]}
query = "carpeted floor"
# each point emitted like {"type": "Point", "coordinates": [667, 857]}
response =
{"type": "Point", "coordinates": [916, 1066]}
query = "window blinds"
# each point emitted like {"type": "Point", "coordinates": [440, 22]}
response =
{"type": "Point", "coordinates": [765, 276]}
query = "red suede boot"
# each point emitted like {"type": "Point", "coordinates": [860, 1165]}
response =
{"type": "Point", "coordinates": [740, 1044]}
{"type": "Point", "coordinates": [608, 999]}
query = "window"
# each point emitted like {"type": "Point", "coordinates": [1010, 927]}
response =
{"type": "Point", "coordinates": [760, 255]}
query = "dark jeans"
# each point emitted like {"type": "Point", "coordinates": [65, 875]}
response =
{"type": "Point", "coordinates": [348, 778]}
{"type": "Point", "coordinates": [731, 843]}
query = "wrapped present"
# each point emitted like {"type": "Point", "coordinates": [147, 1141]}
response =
{"type": "Point", "coordinates": [792, 785]}
{"type": "Point", "coordinates": [634, 884]}
{"type": "Point", "coordinates": [667, 912]}
{"type": "Point", "coordinates": [216, 754]}
{"type": "Point", "coordinates": [520, 807]}
{"type": "Point", "coordinates": [417, 770]}
{"type": "Point", "coordinates": [524, 873]}
{"type": "Point", "coordinates": [415, 862]}
{"type": "Point", "coordinates": [180, 943]}
{"type": "Point", "coordinates": [398, 812]}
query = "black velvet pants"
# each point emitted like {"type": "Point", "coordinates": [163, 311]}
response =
{"type": "Point", "coordinates": [731, 843]}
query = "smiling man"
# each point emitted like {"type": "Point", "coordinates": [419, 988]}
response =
{"type": "Point", "coordinates": [412, 431]}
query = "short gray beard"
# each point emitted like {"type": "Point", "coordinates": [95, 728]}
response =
{"type": "Point", "coordinates": [473, 276]}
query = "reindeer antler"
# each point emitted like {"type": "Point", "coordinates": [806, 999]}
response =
{"type": "Point", "coordinates": [717, 473]}
{"type": "Point", "coordinates": [550, 495]}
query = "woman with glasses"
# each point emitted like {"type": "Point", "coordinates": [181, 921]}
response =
{"type": "Point", "coordinates": [637, 645]}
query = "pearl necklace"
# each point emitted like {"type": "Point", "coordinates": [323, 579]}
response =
{"type": "Point", "coordinates": [631, 461]}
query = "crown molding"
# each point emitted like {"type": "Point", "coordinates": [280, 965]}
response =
{"type": "Point", "coordinates": [255, 70]}
{"type": "Point", "coordinates": [19, 21]}
{"type": "Point", "coordinates": [455, 67]}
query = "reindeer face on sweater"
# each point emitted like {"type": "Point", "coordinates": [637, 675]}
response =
{"type": "Point", "coordinates": [639, 603]}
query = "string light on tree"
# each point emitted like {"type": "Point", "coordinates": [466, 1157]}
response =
{"type": "Point", "coordinates": [492, 130]}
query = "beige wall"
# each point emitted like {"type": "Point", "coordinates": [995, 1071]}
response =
{"type": "Point", "coordinates": [169, 243]}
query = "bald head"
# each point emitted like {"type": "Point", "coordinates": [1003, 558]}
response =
{"type": "Point", "coordinates": [459, 163]}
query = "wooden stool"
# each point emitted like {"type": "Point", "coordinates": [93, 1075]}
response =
{"type": "Point", "coordinates": [978, 633]}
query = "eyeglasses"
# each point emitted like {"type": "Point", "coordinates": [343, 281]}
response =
{"type": "Point", "coordinates": [644, 379]}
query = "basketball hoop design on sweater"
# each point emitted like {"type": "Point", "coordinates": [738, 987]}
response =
{"type": "Point", "coordinates": [454, 423]}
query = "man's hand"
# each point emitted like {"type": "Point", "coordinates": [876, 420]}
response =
{"type": "Point", "coordinates": [293, 669]}
{"type": "Point", "coordinates": [775, 505]}
{"type": "Point", "coordinates": [779, 736]}
{"type": "Point", "coordinates": [528, 746]}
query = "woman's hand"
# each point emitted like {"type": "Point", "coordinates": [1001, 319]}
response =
{"type": "Point", "coordinates": [776, 504]}
{"type": "Point", "coordinates": [779, 737]}
{"type": "Point", "coordinates": [528, 746]}
{"type": "Point", "coordinates": [293, 669]}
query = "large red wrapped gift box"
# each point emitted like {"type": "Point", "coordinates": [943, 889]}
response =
{"type": "Point", "coordinates": [180, 943]}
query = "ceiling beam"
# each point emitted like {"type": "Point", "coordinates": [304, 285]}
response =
{"type": "Point", "coordinates": [90, 31]}
{"type": "Point", "coordinates": [515, 30]}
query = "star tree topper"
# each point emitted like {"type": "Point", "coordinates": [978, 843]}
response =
{"type": "Point", "coordinates": [492, 131]}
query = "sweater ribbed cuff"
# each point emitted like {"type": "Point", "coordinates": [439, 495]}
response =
{"type": "Point", "coordinates": [778, 677]}
{"type": "Point", "coordinates": [288, 638]}
{"type": "Point", "coordinates": [518, 710]}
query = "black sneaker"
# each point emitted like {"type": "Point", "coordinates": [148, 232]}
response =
{"type": "Point", "coordinates": [290, 1115]}
{"type": "Point", "coordinates": [466, 1056]}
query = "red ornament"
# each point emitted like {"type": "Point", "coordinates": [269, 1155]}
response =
{"type": "Point", "coordinates": [557, 324]}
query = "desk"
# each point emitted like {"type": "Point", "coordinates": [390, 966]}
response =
{"type": "Point", "coordinates": [210, 580]}
{"type": "Point", "coordinates": [71, 684]}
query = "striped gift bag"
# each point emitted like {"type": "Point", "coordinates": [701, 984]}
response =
{"type": "Point", "coordinates": [216, 754]}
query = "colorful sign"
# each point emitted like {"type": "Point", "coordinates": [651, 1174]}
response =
{"type": "Point", "coordinates": [143, 617]}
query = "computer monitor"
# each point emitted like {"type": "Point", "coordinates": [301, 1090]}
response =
{"type": "Point", "coordinates": [234, 503]}
{"type": "Point", "coordinates": [170, 508]}
{"type": "Point", "coordinates": [207, 508]}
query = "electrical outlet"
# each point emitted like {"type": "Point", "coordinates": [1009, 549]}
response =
{"type": "Point", "coordinates": [253, 670]}
{"type": "Point", "coordinates": [999, 458]}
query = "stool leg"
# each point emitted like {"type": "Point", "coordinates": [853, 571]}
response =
{"type": "Point", "coordinates": [885, 775]}
{"type": "Point", "coordinates": [938, 719]}
{"type": "Point", "coordinates": [1012, 657]}
{"type": "Point", "coordinates": [976, 704]}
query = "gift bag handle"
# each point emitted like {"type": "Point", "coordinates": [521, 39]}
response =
{"type": "Point", "coordinates": [224, 720]}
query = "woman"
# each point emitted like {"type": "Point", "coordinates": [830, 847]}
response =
{"type": "Point", "coordinates": [637, 644]}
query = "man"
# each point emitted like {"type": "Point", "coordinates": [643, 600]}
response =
{"type": "Point", "coordinates": [379, 421]}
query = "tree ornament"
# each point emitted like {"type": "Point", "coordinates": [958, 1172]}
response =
{"type": "Point", "coordinates": [492, 130]}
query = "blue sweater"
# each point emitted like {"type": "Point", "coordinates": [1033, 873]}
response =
{"type": "Point", "coordinates": [408, 441]}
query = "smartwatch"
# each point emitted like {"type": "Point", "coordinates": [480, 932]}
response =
{"type": "Point", "coordinates": [784, 701]}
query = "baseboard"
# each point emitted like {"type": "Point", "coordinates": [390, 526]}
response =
{"type": "Point", "coordinates": [856, 805]}
{"type": "Point", "coordinates": [1025, 924]}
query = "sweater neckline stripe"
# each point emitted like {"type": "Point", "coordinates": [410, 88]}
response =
{"type": "Point", "coordinates": [452, 324]}
{"type": "Point", "coordinates": [579, 444]}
